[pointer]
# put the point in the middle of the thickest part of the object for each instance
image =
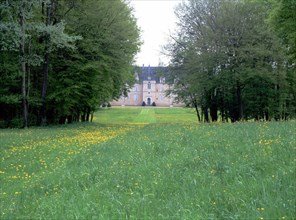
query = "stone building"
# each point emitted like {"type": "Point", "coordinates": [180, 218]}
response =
{"type": "Point", "coordinates": [150, 87]}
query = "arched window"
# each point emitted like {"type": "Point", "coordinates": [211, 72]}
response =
{"type": "Point", "coordinates": [149, 85]}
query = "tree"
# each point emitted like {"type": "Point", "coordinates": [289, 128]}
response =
{"type": "Point", "coordinates": [282, 20]}
{"type": "Point", "coordinates": [15, 27]}
{"type": "Point", "coordinates": [21, 28]}
{"type": "Point", "coordinates": [53, 37]}
{"type": "Point", "coordinates": [101, 67]}
{"type": "Point", "coordinates": [41, 48]}
{"type": "Point", "coordinates": [219, 52]}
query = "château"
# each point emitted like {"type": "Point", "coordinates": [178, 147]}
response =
{"type": "Point", "coordinates": [150, 89]}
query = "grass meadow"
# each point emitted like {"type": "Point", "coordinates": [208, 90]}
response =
{"type": "Point", "coordinates": [149, 163]}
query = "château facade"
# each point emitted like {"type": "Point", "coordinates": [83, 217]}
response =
{"type": "Point", "coordinates": [150, 87]}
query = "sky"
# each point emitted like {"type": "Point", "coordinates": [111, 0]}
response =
{"type": "Point", "coordinates": [156, 19]}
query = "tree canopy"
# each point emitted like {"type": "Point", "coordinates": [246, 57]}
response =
{"type": "Point", "coordinates": [227, 60]}
{"type": "Point", "coordinates": [61, 59]}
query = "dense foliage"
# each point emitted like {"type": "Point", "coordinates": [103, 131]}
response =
{"type": "Point", "coordinates": [60, 59]}
{"type": "Point", "coordinates": [235, 59]}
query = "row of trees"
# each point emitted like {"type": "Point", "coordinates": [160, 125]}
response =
{"type": "Point", "coordinates": [235, 59]}
{"type": "Point", "coordinates": [59, 59]}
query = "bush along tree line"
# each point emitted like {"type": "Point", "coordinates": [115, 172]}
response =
{"type": "Point", "coordinates": [144, 103]}
{"type": "Point", "coordinates": [60, 59]}
{"type": "Point", "coordinates": [235, 59]}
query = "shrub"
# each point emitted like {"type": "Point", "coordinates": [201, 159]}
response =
{"type": "Point", "coordinates": [153, 104]}
{"type": "Point", "coordinates": [143, 103]}
{"type": "Point", "coordinates": [3, 124]}
{"type": "Point", "coordinates": [16, 123]}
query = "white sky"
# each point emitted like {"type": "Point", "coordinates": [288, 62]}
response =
{"type": "Point", "coordinates": [156, 20]}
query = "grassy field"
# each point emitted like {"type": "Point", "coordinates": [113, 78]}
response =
{"type": "Point", "coordinates": [146, 163]}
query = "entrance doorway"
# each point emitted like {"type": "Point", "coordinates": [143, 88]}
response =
{"type": "Point", "coordinates": [148, 101]}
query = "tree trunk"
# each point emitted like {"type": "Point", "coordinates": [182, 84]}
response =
{"type": "Point", "coordinates": [87, 113]}
{"type": "Point", "coordinates": [76, 116]}
{"type": "Point", "coordinates": [23, 69]}
{"type": "Point", "coordinates": [83, 115]}
{"type": "Point", "coordinates": [206, 113]}
{"type": "Point", "coordinates": [28, 72]}
{"type": "Point", "coordinates": [196, 109]}
{"type": "Point", "coordinates": [62, 120]}
{"type": "Point", "coordinates": [214, 112]}
{"type": "Point", "coordinates": [239, 101]}
{"type": "Point", "coordinates": [91, 116]}
{"type": "Point", "coordinates": [70, 119]}
{"type": "Point", "coordinates": [45, 69]}
{"type": "Point", "coordinates": [222, 107]}
{"type": "Point", "coordinates": [44, 89]}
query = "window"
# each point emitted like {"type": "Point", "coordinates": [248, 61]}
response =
{"type": "Point", "coordinates": [149, 85]}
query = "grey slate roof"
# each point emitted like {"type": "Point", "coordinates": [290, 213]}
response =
{"type": "Point", "coordinates": [151, 73]}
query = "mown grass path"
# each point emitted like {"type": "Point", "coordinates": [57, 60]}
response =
{"type": "Point", "coordinates": [143, 163]}
{"type": "Point", "coordinates": [147, 115]}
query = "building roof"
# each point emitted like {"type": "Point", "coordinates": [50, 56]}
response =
{"type": "Point", "coordinates": [151, 73]}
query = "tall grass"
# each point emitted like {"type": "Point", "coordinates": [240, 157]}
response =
{"type": "Point", "coordinates": [144, 163]}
